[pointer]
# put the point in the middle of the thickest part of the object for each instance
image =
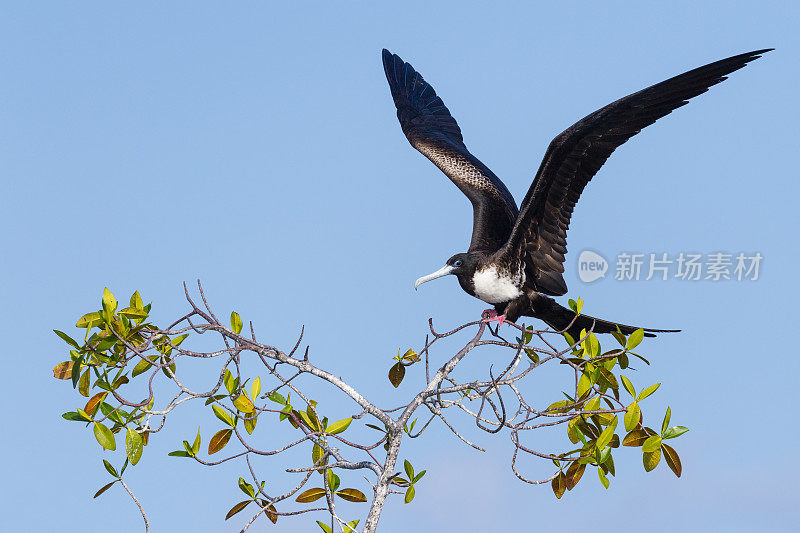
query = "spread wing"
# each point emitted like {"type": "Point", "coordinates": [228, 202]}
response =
{"type": "Point", "coordinates": [431, 129]}
{"type": "Point", "coordinates": [574, 157]}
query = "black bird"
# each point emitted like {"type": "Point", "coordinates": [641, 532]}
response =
{"type": "Point", "coordinates": [516, 257]}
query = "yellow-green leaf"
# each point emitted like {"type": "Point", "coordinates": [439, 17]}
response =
{"type": "Point", "coordinates": [255, 388]}
{"type": "Point", "coordinates": [310, 495]}
{"type": "Point", "coordinates": [584, 385]}
{"type": "Point", "coordinates": [648, 391]}
{"type": "Point", "coordinates": [339, 426]}
{"type": "Point", "coordinates": [628, 386]}
{"type": "Point", "coordinates": [651, 459]}
{"type": "Point", "coordinates": [635, 338]}
{"type": "Point", "coordinates": [651, 444]}
{"type": "Point", "coordinates": [109, 302]}
{"type": "Point", "coordinates": [236, 322]}
{"type": "Point", "coordinates": [89, 320]}
{"type": "Point", "coordinates": [410, 492]}
{"type": "Point", "coordinates": [83, 383]}
{"type": "Point", "coordinates": [104, 436]}
{"type": "Point", "coordinates": [632, 415]}
{"type": "Point", "coordinates": [136, 300]}
{"type": "Point", "coordinates": [250, 424]}
{"type": "Point", "coordinates": [222, 414]}
{"type": "Point", "coordinates": [243, 404]}
{"type": "Point", "coordinates": [133, 446]}
{"type": "Point", "coordinates": [352, 495]}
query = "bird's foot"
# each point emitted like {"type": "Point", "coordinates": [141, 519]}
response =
{"type": "Point", "coordinates": [490, 315]}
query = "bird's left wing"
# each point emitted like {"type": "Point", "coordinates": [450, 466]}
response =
{"type": "Point", "coordinates": [574, 157]}
{"type": "Point", "coordinates": [431, 129]}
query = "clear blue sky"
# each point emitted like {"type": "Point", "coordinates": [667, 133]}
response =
{"type": "Point", "coordinates": [256, 147]}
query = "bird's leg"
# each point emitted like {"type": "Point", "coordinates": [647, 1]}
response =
{"type": "Point", "coordinates": [490, 315]}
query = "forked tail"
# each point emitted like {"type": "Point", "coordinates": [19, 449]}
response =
{"type": "Point", "coordinates": [559, 317]}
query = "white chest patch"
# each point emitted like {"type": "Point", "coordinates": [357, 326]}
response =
{"type": "Point", "coordinates": [493, 288]}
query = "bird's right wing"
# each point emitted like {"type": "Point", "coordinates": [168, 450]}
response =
{"type": "Point", "coordinates": [575, 156]}
{"type": "Point", "coordinates": [431, 129]}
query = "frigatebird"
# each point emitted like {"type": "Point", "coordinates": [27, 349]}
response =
{"type": "Point", "coordinates": [515, 259]}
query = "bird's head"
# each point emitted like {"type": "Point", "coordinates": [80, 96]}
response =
{"type": "Point", "coordinates": [460, 265]}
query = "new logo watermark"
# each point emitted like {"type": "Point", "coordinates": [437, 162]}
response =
{"type": "Point", "coordinates": [685, 266]}
{"type": "Point", "coordinates": [591, 266]}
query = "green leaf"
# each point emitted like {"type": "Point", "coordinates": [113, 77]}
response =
{"type": "Point", "coordinates": [243, 404]}
{"type": "Point", "coordinates": [250, 424]}
{"type": "Point", "coordinates": [651, 459]}
{"type": "Point", "coordinates": [179, 453]}
{"type": "Point", "coordinates": [104, 436]}
{"type": "Point", "coordinates": [74, 416]}
{"type": "Point", "coordinates": [396, 374]}
{"type": "Point", "coordinates": [66, 338]}
{"type": "Point", "coordinates": [632, 416]}
{"type": "Point", "coordinates": [665, 423]}
{"type": "Point", "coordinates": [109, 302]}
{"type": "Point", "coordinates": [651, 444]}
{"type": "Point", "coordinates": [352, 495]}
{"type": "Point", "coordinates": [559, 484]}
{"type": "Point", "coordinates": [635, 338]}
{"type": "Point", "coordinates": [142, 366]}
{"type": "Point", "coordinates": [409, 494]}
{"type": "Point", "coordinates": [277, 398]}
{"type": "Point", "coordinates": [110, 469]}
{"type": "Point", "coordinates": [326, 528]}
{"type": "Point", "coordinates": [603, 479]}
{"type": "Point", "coordinates": [196, 443]}
{"type": "Point", "coordinates": [133, 446]}
{"type": "Point", "coordinates": [255, 388]}
{"type": "Point", "coordinates": [238, 507]}
{"type": "Point", "coordinates": [83, 383]}
{"type": "Point", "coordinates": [104, 488]}
{"type": "Point", "coordinates": [333, 481]}
{"type": "Point", "coordinates": [350, 526]}
{"type": "Point", "coordinates": [236, 322]}
{"type": "Point", "coordinates": [247, 488]}
{"type": "Point", "coordinates": [310, 495]}
{"type": "Point", "coordinates": [89, 320]}
{"type": "Point", "coordinates": [675, 431]}
{"type": "Point", "coordinates": [317, 453]}
{"type": "Point", "coordinates": [628, 386]}
{"type": "Point", "coordinates": [672, 459]}
{"type": "Point", "coordinates": [136, 300]}
{"type": "Point", "coordinates": [227, 379]}
{"type": "Point", "coordinates": [222, 414]}
{"type": "Point", "coordinates": [219, 440]}
{"type": "Point", "coordinates": [648, 391]}
{"type": "Point", "coordinates": [339, 426]}
{"type": "Point", "coordinates": [605, 437]}
{"type": "Point", "coordinates": [418, 476]}
{"type": "Point", "coordinates": [409, 469]}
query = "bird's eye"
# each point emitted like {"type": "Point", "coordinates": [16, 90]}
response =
{"type": "Point", "coordinates": [458, 263]}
